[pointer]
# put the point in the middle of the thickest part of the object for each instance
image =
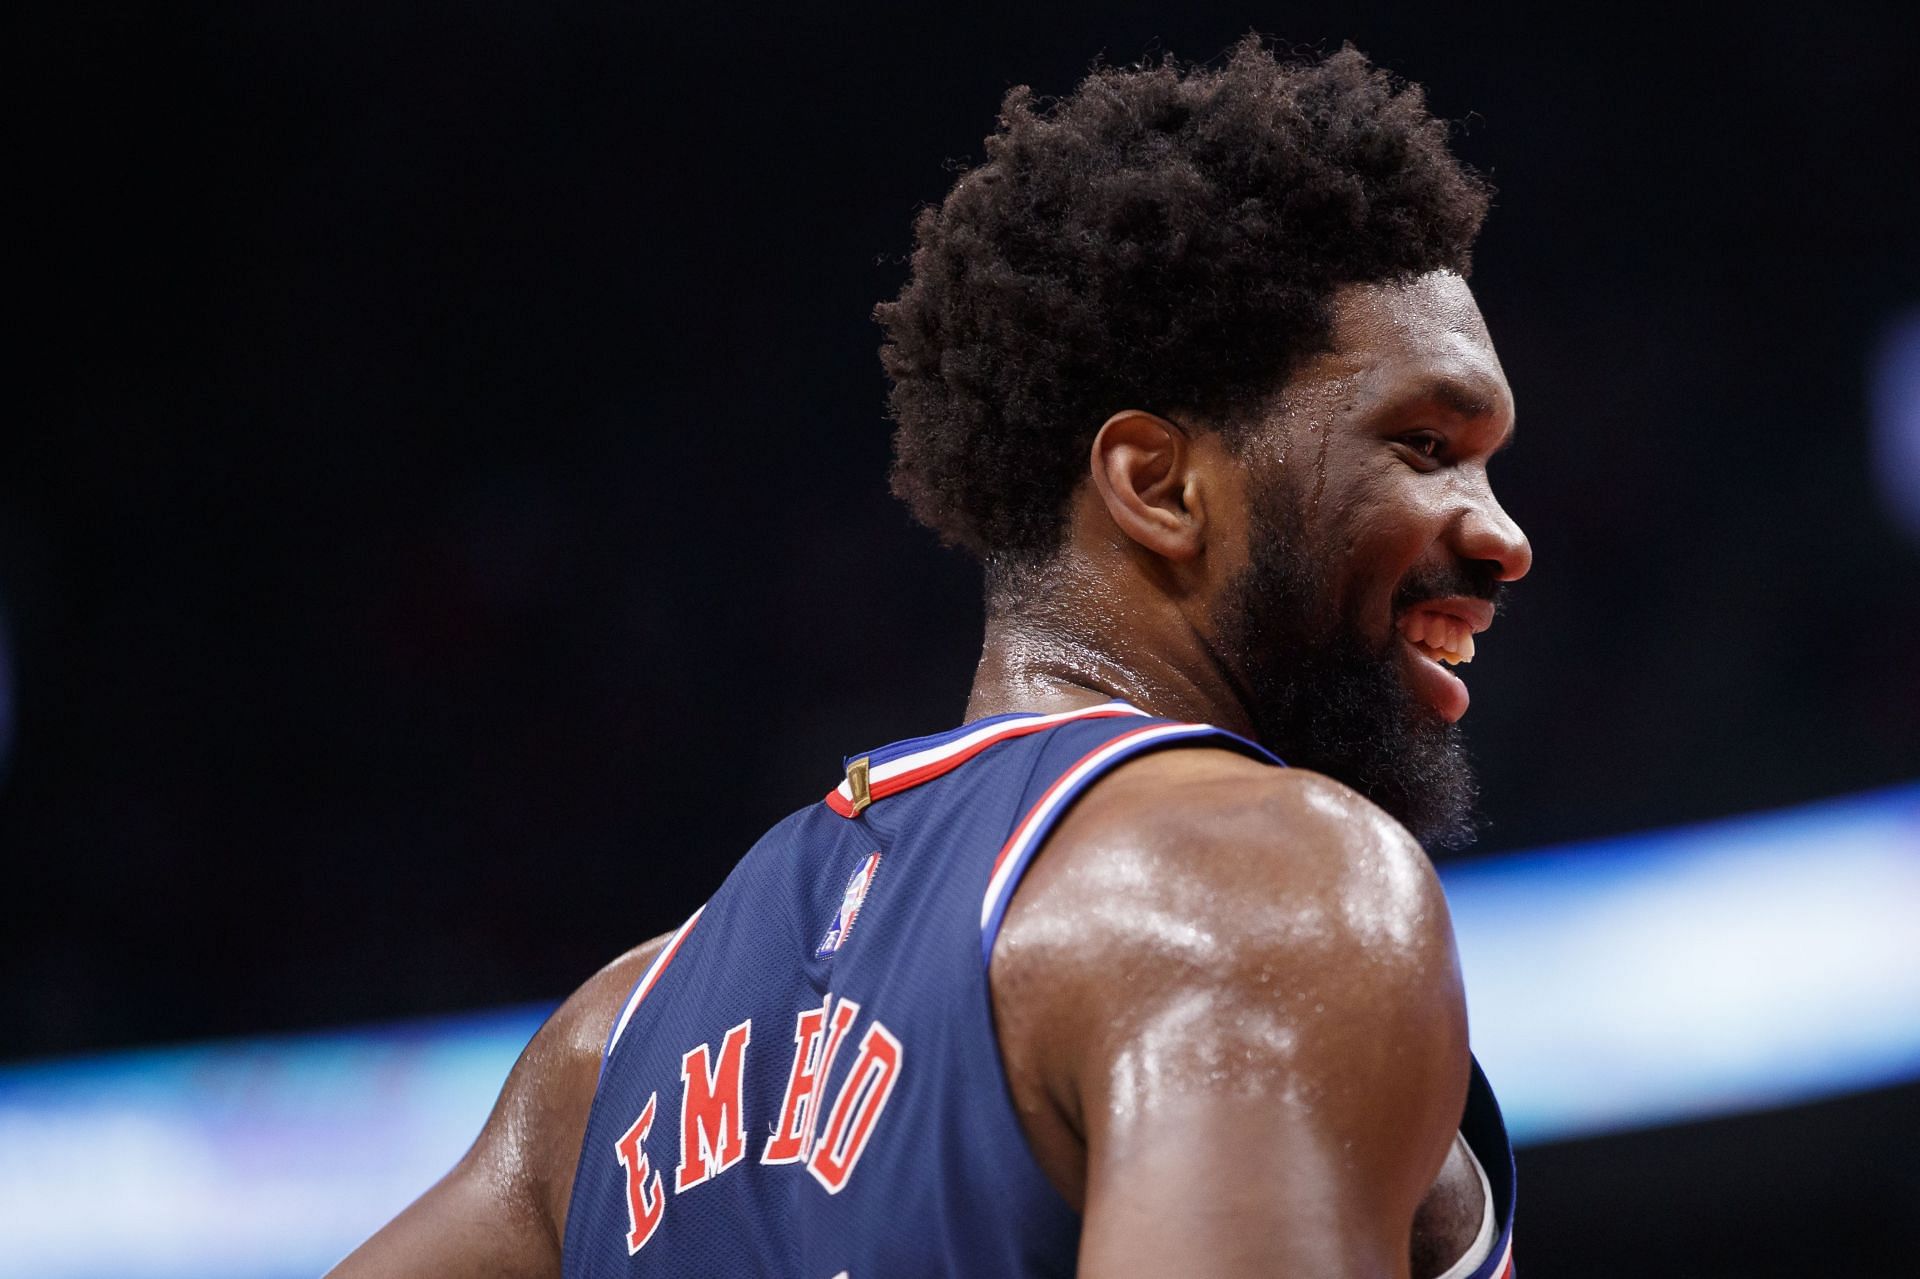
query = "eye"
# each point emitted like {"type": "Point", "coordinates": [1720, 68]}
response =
{"type": "Point", "coordinates": [1428, 445]}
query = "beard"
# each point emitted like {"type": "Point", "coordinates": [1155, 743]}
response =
{"type": "Point", "coordinates": [1321, 696]}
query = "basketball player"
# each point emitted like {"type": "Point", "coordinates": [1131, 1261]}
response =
{"type": "Point", "coordinates": [1092, 984]}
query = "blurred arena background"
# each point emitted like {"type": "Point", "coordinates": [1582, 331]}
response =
{"type": "Point", "coordinates": [446, 452]}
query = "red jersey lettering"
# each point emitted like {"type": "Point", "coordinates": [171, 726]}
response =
{"type": "Point", "coordinates": [816, 1038]}
{"type": "Point", "coordinates": [645, 1202]}
{"type": "Point", "coordinates": [713, 1123]}
{"type": "Point", "coordinates": [862, 1097]}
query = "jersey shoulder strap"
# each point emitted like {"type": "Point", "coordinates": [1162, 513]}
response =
{"type": "Point", "coordinates": [1077, 757]}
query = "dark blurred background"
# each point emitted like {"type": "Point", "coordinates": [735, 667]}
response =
{"type": "Point", "coordinates": [444, 518]}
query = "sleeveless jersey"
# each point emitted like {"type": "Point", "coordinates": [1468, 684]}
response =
{"type": "Point", "coordinates": [806, 1082]}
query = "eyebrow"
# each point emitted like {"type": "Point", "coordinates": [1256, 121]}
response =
{"type": "Point", "coordinates": [1456, 398]}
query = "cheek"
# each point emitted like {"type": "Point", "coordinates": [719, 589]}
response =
{"type": "Point", "coordinates": [1396, 509]}
{"type": "Point", "coordinates": [1389, 526]}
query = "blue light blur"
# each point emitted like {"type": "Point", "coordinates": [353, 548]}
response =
{"type": "Point", "coordinates": [1896, 422]}
{"type": "Point", "coordinates": [1615, 984]}
{"type": "Point", "coordinates": [1747, 963]}
{"type": "Point", "coordinates": [257, 1157]}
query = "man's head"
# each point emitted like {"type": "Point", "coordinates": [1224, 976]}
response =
{"type": "Point", "coordinates": [1373, 549]}
{"type": "Point", "coordinates": [1222, 313]}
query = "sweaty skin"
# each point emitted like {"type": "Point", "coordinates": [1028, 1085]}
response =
{"type": "Point", "coordinates": [1227, 997]}
{"type": "Point", "coordinates": [1226, 994]}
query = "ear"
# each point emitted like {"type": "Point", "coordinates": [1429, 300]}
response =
{"type": "Point", "coordinates": [1143, 470]}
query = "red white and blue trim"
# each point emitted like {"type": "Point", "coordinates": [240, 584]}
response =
{"type": "Point", "coordinates": [646, 983]}
{"type": "Point", "coordinates": [906, 764]}
{"type": "Point", "coordinates": [1486, 1134]}
{"type": "Point", "coordinates": [1032, 831]}
{"type": "Point", "coordinates": [895, 768]}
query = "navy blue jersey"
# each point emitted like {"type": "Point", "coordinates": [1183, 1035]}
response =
{"type": "Point", "coordinates": [806, 1081]}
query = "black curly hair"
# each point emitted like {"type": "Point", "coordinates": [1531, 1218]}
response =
{"type": "Point", "coordinates": [1168, 237]}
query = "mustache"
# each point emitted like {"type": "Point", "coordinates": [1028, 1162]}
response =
{"type": "Point", "coordinates": [1476, 579]}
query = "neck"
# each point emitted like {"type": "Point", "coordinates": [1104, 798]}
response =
{"type": "Point", "coordinates": [1078, 649]}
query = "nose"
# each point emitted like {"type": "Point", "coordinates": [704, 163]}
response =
{"type": "Point", "coordinates": [1484, 531]}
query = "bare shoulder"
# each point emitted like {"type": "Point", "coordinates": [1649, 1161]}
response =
{"type": "Point", "coordinates": [541, 1116]}
{"type": "Point", "coordinates": [1257, 856]}
{"type": "Point", "coordinates": [502, 1209]}
{"type": "Point", "coordinates": [1233, 931]}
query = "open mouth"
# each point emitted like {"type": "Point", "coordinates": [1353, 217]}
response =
{"type": "Point", "coordinates": [1438, 634]}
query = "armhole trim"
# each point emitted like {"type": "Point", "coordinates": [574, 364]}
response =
{"type": "Point", "coordinates": [1486, 1134]}
{"type": "Point", "coordinates": [1484, 1239]}
{"type": "Point", "coordinates": [1033, 829]}
{"type": "Point", "coordinates": [646, 983]}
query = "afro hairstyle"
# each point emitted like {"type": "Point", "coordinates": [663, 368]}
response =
{"type": "Point", "coordinates": [1167, 237]}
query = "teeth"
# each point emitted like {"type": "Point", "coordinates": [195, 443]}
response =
{"type": "Point", "coordinates": [1439, 636]}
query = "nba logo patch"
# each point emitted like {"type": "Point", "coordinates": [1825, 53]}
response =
{"type": "Point", "coordinates": [849, 908]}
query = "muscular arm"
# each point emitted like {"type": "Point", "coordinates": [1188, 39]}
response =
{"type": "Point", "coordinates": [502, 1210]}
{"type": "Point", "coordinates": [1232, 1019]}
